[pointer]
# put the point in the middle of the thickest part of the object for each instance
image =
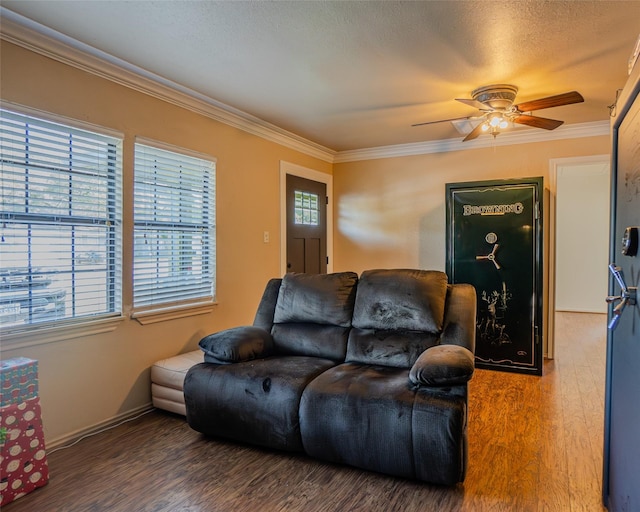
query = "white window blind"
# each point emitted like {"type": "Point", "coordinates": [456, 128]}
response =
{"type": "Point", "coordinates": [174, 229]}
{"type": "Point", "coordinates": [60, 237]}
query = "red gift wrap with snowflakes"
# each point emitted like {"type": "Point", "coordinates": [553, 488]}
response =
{"type": "Point", "coordinates": [23, 460]}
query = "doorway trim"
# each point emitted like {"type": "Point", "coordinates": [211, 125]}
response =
{"type": "Point", "coordinates": [310, 174]}
{"type": "Point", "coordinates": [554, 164]}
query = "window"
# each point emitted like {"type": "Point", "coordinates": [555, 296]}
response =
{"type": "Point", "coordinates": [306, 208]}
{"type": "Point", "coordinates": [174, 228]}
{"type": "Point", "coordinates": [60, 231]}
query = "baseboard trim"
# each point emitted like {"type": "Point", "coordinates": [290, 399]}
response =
{"type": "Point", "coordinates": [77, 435]}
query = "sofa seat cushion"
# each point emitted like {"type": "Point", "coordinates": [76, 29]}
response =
{"type": "Point", "coordinates": [401, 300]}
{"type": "Point", "coordinates": [255, 402]}
{"type": "Point", "coordinates": [369, 417]}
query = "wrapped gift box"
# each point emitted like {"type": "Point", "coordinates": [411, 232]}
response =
{"type": "Point", "coordinates": [18, 380]}
{"type": "Point", "coordinates": [23, 461]}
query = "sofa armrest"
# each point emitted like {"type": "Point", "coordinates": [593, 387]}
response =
{"type": "Point", "coordinates": [443, 365]}
{"type": "Point", "coordinates": [236, 345]}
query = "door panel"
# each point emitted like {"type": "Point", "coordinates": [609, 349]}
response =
{"type": "Point", "coordinates": [312, 256]}
{"type": "Point", "coordinates": [306, 225]}
{"type": "Point", "coordinates": [295, 255]}
{"type": "Point", "coordinates": [621, 476]}
{"type": "Point", "coordinates": [494, 243]}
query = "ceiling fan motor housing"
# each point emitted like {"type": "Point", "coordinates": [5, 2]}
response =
{"type": "Point", "coordinates": [499, 96]}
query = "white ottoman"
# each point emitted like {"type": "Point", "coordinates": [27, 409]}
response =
{"type": "Point", "coordinates": [167, 381]}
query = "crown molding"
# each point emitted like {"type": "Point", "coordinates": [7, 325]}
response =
{"type": "Point", "coordinates": [43, 40]}
{"type": "Point", "coordinates": [571, 131]}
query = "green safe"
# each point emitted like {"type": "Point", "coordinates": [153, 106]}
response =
{"type": "Point", "coordinates": [494, 242]}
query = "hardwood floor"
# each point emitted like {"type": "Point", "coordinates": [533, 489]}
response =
{"type": "Point", "coordinates": [535, 444]}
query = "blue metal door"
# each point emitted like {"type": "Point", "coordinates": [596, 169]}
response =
{"type": "Point", "coordinates": [621, 476]}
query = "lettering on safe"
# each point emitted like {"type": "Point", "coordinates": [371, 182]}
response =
{"type": "Point", "coordinates": [492, 209]}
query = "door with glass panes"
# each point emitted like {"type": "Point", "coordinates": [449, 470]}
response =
{"type": "Point", "coordinates": [306, 225]}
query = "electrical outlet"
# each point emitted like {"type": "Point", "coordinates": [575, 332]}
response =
{"type": "Point", "coordinates": [265, 237]}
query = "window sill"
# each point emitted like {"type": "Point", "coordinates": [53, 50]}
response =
{"type": "Point", "coordinates": [35, 335]}
{"type": "Point", "coordinates": [172, 313]}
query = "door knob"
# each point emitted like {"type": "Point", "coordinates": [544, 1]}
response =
{"type": "Point", "coordinates": [628, 296]}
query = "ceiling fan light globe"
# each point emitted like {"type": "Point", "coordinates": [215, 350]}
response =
{"type": "Point", "coordinates": [495, 121]}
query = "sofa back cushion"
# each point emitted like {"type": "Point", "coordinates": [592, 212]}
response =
{"type": "Point", "coordinates": [401, 299]}
{"type": "Point", "coordinates": [397, 315]}
{"type": "Point", "coordinates": [314, 340]}
{"type": "Point", "coordinates": [313, 314]}
{"type": "Point", "coordinates": [317, 298]}
{"type": "Point", "coordinates": [399, 349]}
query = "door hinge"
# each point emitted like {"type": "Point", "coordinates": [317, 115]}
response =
{"type": "Point", "coordinates": [326, 199]}
{"type": "Point", "coordinates": [537, 210]}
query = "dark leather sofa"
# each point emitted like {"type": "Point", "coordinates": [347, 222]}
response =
{"type": "Point", "coordinates": [369, 371]}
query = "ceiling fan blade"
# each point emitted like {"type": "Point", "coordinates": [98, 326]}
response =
{"type": "Point", "coordinates": [552, 101]}
{"type": "Point", "coordinates": [474, 104]}
{"type": "Point", "coordinates": [538, 122]}
{"type": "Point", "coordinates": [442, 121]}
{"type": "Point", "coordinates": [476, 132]}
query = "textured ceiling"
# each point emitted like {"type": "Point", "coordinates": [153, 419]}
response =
{"type": "Point", "coordinates": [352, 75]}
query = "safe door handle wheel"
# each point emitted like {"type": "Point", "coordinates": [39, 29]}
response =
{"type": "Point", "coordinates": [628, 296]}
{"type": "Point", "coordinates": [491, 256]}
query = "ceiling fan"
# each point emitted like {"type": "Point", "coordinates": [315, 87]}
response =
{"type": "Point", "coordinates": [496, 109]}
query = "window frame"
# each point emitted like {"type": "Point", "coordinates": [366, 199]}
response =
{"type": "Point", "coordinates": [169, 310]}
{"type": "Point", "coordinates": [19, 336]}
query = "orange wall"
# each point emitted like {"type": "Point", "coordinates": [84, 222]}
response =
{"type": "Point", "coordinates": [89, 380]}
{"type": "Point", "coordinates": [391, 212]}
